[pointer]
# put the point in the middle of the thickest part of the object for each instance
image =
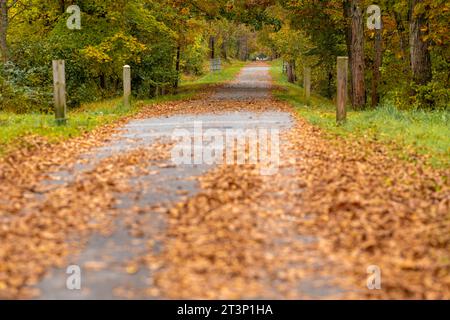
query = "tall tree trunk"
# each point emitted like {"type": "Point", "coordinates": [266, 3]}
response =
{"type": "Point", "coordinates": [3, 30]}
{"type": "Point", "coordinates": [357, 49]}
{"type": "Point", "coordinates": [330, 84]}
{"type": "Point", "coordinates": [401, 30]}
{"type": "Point", "coordinates": [212, 46]}
{"type": "Point", "coordinates": [377, 62]}
{"type": "Point", "coordinates": [420, 55]}
{"type": "Point", "coordinates": [177, 67]}
{"type": "Point", "coordinates": [224, 49]}
{"type": "Point", "coordinates": [291, 71]}
{"type": "Point", "coordinates": [62, 6]}
{"type": "Point", "coordinates": [243, 48]}
{"type": "Point", "coordinates": [102, 80]}
{"type": "Point", "coordinates": [246, 49]}
{"type": "Point", "coordinates": [347, 6]}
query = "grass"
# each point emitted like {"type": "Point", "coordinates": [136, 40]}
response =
{"type": "Point", "coordinates": [424, 132]}
{"type": "Point", "coordinates": [89, 116]}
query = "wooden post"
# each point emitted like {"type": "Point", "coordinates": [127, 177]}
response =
{"type": "Point", "coordinates": [342, 83]}
{"type": "Point", "coordinates": [307, 84]}
{"type": "Point", "coordinates": [126, 85]}
{"type": "Point", "coordinates": [59, 91]}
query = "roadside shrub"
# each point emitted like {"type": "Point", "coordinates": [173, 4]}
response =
{"type": "Point", "coordinates": [432, 96]}
{"type": "Point", "coordinates": [22, 90]}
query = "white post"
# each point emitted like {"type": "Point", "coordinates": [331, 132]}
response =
{"type": "Point", "coordinates": [126, 85]}
{"type": "Point", "coordinates": [59, 91]}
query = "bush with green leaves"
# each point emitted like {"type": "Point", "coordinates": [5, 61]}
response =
{"type": "Point", "coordinates": [113, 34]}
{"type": "Point", "coordinates": [22, 89]}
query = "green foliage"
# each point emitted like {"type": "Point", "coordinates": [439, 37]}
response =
{"type": "Point", "coordinates": [21, 90]}
{"type": "Point", "coordinates": [145, 34]}
{"type": "Point", "coordinates": [194, 57]}
{"type": "Point", "coordinates": [148, 34]}
{"type": "Point", "coordinates": [312, 36]}
{"type": "Point", "coordinates": [315, 33]}
{"type": "Point", "coordinates": [431, 96]}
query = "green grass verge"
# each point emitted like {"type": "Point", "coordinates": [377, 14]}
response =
{"type": "Point", "coordinates": [424, 132]}
{"type": "Point", "coordinates": [15, 126]}
{"type": "Point", "coordinates": [229, 72]}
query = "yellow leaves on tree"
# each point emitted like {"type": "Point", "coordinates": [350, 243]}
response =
{"type": "Point", "coordinates": [115, 51]}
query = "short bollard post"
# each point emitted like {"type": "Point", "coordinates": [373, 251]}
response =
{"type": "Point", "coordinates": [342, 80]}
{"type": "Point", "coordinates": [126, 85]}
{"type": "Point", "coordinates": [59, 91]}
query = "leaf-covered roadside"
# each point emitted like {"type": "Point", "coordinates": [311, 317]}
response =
{"type": "Point", "coordinates": [41, 226]}
{"type": "Point", "coordinates": [334, 209]}
{"type": "Point", "coordinates": [37, 222]}
{"type": "Point", "coordinates": [370, 208]}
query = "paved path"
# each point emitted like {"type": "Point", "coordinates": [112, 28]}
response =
{"type": "Point", "coordinates": [140, 226]}
{"type": "Point", "coordinates": [105, 259]}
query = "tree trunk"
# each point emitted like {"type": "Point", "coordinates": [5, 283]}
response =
{"type": "Point", "coordinates": [347, 6]}
{"type": "Point", "coordinates": [357, 53]}
{"type": "Point", "coordinates": [62, 6]}
{"type": "Point", "coordinates": [291, 71]}
{"type": "Point", "coordinates": [177, 67]}
{"type": "Point", "coordinates": [246, 49]}
{"type": "Point", "coordinates": [330, 85]}
{"type": "Point", "coordinates": [377, 62]}
{"type": "Point", "coordinates": [420, 55]}
{"type": "Point", "coordinates": [212, 45]}
{"type": "Point", "coordinates": [224, 50]}
{"type": "Point", "coordinates": [401, 30]}
{"type": "Point", "coordinates": [243, 48]}
{"type": "Point", "coordinates": [3, 30]}
{"type": "Point", "coordinates": [102, 80]}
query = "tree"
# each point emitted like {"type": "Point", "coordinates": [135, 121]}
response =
{"type": "Point", "coordinates": [376, 33]}
{"type": "Point", "coordinates": [5, 18]}
{"type": "Point", "coordinates": [347, 7]}
{"type": "Point", "coordinates": [4, 10]}
{"type": "Point", "coordinates": [418, 38]}
{"type": "Point", "coordinates": [377, 62]}
{"type": "Point", "coordinates": [357, 54]}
